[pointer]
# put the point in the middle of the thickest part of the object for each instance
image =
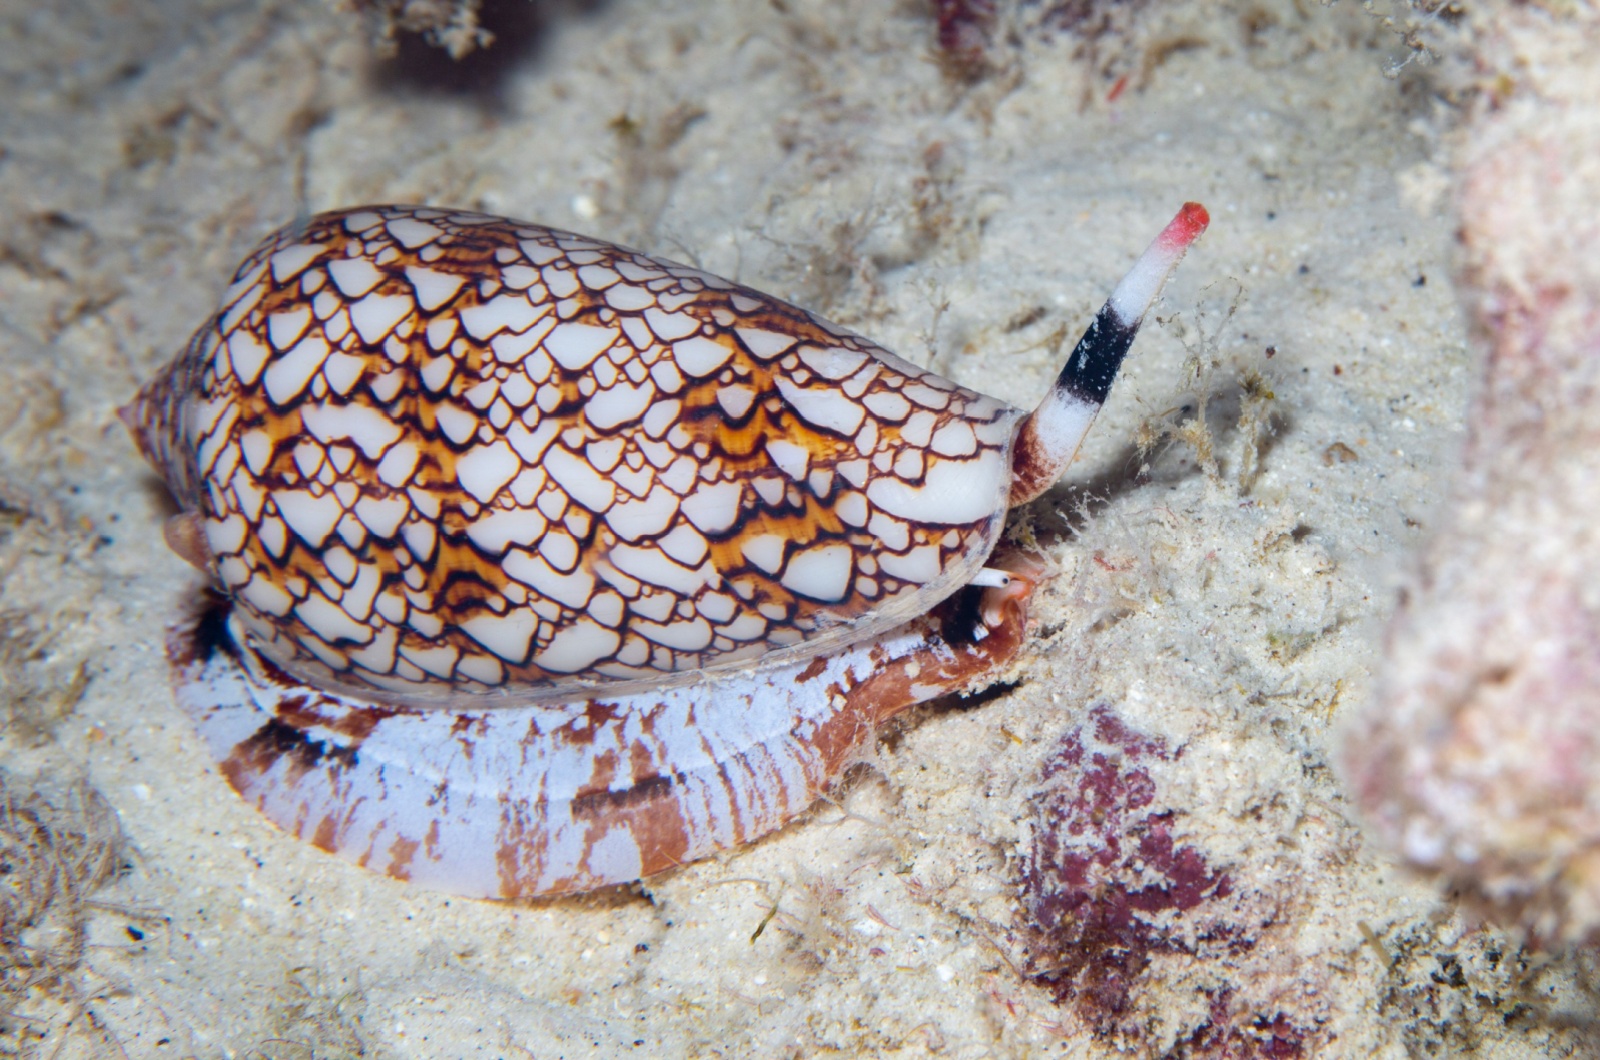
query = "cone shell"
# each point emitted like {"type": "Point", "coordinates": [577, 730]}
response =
{"type": "Point", "coordinates": [443, 459]}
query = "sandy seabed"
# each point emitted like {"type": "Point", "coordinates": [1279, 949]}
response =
{"type": "Point", "coordinates": [1216, 612]}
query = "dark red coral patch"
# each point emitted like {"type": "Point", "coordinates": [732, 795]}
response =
{"type": "Point", "coordinates": [1104, 867]}
{"type": "Point", "coordinates": [1106, 888]}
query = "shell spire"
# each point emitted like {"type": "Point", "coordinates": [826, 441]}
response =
{"type": "Point", "coordinates": [1048, 439]}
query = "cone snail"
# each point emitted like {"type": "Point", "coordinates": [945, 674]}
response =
{"type": "Point", "coordinates": [543, 564]}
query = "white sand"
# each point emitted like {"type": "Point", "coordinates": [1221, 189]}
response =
{"type": "Point", "coordinates": [815, 150]}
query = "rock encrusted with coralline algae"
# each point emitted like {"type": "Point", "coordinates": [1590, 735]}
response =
{"type": "Point", "coordinates": [1480, 758]}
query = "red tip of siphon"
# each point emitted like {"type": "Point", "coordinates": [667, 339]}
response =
{"type": "Point", "coordinates": [1185, 228]}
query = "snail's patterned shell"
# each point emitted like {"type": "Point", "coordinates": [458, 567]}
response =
{"type": "Point", "coordinates": [440, 455]}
